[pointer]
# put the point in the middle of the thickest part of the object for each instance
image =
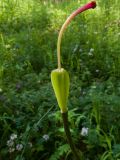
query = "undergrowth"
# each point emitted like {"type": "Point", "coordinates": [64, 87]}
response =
{"type": "Point", "coordinates": [28, 108]}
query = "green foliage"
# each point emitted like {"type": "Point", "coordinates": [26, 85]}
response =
{"type": "Point", "coordinates": [90, 52]}
{"type": "Point", "coordinates": [59, 152]}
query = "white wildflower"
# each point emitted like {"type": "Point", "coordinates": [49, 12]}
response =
{"type": "Point", "coordinates": [10, 143]}
{"type": "Point", "coordinates": [11, 150]}
{"type": "Point", "coordinates": [91, 49]}
{"type": "Point", "coordinates": [84, 131]}
{"type": "Point", "coordinates": [13, 136]}
{"type": "Point", "coordinates": [90, 53]}
{"type": "Point", "coordinates": [46, 137]}
{"type": "Point", "coordinates": [19, 147]}
{"type": "Point", "coordinates": [97, 70]}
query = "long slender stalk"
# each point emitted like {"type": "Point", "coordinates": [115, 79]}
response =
{"type": "Point", "coordinates": [68, 135]}
{"type": "Point", "coordinates": [87, 6]}
{"type": "Point", "coordinates": [57, 83]}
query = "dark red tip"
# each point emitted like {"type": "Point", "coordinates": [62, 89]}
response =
{"type": "Point", "coordinates": [93, 4]}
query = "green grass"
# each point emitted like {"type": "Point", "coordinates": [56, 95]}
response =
{"type": "Point", "coordinates": [91, 54]}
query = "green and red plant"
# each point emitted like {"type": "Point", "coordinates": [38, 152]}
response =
{"type": "Point", "coordinates": [60, 79]}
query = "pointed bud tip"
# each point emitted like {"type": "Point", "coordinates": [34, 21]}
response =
{"type": "Point", "coordinates": [93, 3]}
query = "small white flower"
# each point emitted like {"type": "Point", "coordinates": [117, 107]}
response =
{"type": "Point", "coordinates": [91, 49]}
{"type": "Point", "coordinates": [13, 136]}
{"type": "Point", "coordinates": [46, 137]}
{"type": "Point", "coordinates": [11, 150]}
{"type": "Point", "coordinates": [10, 143]}
{"type": "Point", "coordinates": [90, 53]}
{"type": "Point", "coordinates": [84, 131]}
{"type": "Point", "coordinates": [97, 70]}
{"type": "Point", "coordinates": [19, 147]}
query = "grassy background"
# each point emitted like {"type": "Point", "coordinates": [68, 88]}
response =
{"type": "Point", "coordinates": [91, 54]}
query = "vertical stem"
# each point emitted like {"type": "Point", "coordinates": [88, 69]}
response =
{"type": "Point", "coordinates": [68, 135]}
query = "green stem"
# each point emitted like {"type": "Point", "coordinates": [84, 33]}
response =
{"type": "Point", "coordinates": [68, 135]}
{"type": "Point", "coordinates": [87, 6]}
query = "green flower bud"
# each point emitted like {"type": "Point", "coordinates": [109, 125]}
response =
{"type": "Point", "coordinates": [60, 82]}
